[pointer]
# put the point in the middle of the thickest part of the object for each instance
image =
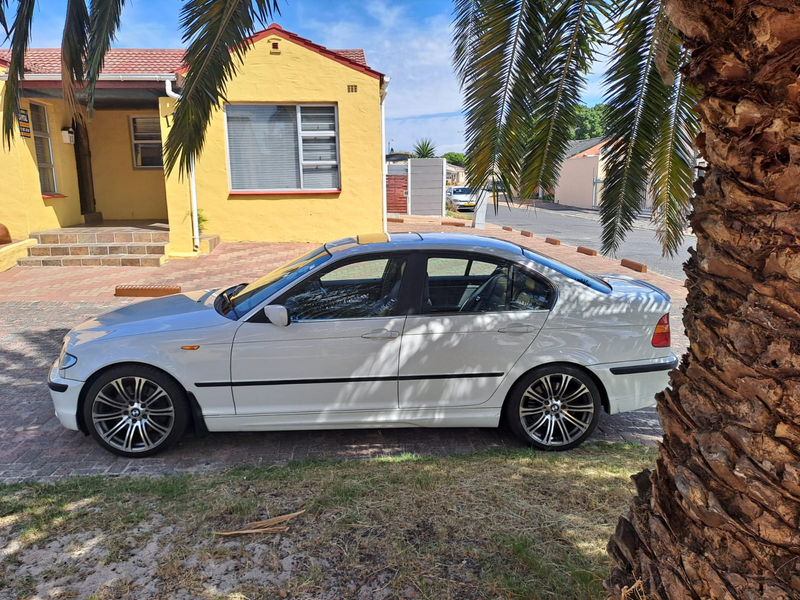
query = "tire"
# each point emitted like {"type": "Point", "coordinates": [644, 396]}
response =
{"type": "Point", "coordinates": [135, 411]}
{"type": "Point", "coordinates": [553, 407]}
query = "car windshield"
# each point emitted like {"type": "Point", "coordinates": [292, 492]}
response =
{"type": "Point", "coordinates": [462, 190]}
{"type": "Point", "coordinates": [571, 272]}
{"type": "Point", "coordinates": [255, 293]}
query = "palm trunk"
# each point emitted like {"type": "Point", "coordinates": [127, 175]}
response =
{"type": "Point", "coordinates": [720, 516]}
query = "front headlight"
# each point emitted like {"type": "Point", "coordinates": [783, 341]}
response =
{"type": "Point", "coordinates": [67, 360]}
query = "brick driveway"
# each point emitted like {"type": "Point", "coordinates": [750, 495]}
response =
{"type": "Point", "coordinates": [35, 317]}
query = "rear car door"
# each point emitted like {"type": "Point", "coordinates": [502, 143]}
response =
{"type": "Point", "coordinates": [340, 350]}
{"type": "Point", "coordinates": [476, 316]}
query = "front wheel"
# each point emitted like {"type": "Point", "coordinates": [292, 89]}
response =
{"type": "Point", "coordinates": [135, 411]}
{"type": "Point", "coordinates": [554, 407]}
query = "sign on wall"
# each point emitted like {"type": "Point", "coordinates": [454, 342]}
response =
{"type": "Point", "coordinates": [24, 123]}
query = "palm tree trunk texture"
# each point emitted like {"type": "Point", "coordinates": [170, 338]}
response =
{"type": "Point", "coordinates": [720, 516]}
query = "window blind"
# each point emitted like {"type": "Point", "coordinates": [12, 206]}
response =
{"type": "Point", "coordinates": [268, 152]}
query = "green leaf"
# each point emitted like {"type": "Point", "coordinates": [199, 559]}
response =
{"type": "Point", "coordinates": [217, 33]}
{"type": "Point", "coordinates": [673, 162]}
{"type": "Point", "coordinates": [73, 52]}
{"type": "Point", "coordinates": [637, 99]}
{"type": "Point", "coordinates": [104, 22]}
{"type": "Point", "coordinates": [497, 53]}
{"type": "Point", "coordinates": [424, 148]}
{"type": "Point", "coordinates": [20, 39]}
{"type": "Point", "coordinates": [573, 34]}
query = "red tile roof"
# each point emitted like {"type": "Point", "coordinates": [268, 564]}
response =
{"type": "Point", "coordinates": [161, 61]}
{"type": "Point", "coordinates": [118, 61]}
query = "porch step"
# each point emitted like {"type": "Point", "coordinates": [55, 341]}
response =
{"type": "Point", "coordinates": [64, 236]}
{"type": "Point", "coordinates": [63, 250]}
{"type": "Point", "coordinates": [112, 260]}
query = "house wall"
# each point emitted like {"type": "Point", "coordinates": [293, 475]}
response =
{"type": "Point", "coordinates": [22, 208]}
{"type": "Point", "coordinates": [294, 75]}
{"type": "Point", "coordinates": [121, 191]}
{"type": "Point", "coordinates": [575, 182]}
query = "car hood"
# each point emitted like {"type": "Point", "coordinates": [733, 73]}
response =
{"type": "Point", "coordinates": [177, 312]}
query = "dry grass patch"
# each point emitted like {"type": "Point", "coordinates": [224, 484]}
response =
{"type": "Point", "coordinates": [512, 524]}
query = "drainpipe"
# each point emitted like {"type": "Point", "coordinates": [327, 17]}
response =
{"type": "Point", "coordinates": [384, 85]}
{"type": "Point", "coordinates": [192, 182]}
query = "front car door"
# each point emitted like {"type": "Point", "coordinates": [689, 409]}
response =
{"type": "Point", "coordinates": [477, 315]}
{"type": "Point", "coordinates": [340, 350]}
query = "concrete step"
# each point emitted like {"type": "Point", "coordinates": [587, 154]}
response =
{"type": "Point", "coordinates": [64, 236]}
{"type": "Point", "coordinates": [63, 250]}
{"type": "Point", "coordinates": [114, 260]}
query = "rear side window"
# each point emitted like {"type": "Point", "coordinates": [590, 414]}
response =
{"type": "Point", "coordinates": [481, 285]}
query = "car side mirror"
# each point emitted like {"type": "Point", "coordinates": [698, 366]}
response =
{"type": "Point", "coordinates": [277, 314]}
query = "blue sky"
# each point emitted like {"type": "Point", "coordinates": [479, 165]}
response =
{"type": "Point", "coordinates": [407, 40]}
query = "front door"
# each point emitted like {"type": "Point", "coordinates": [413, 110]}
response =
{"type": "Point", "coordinates": [478, 315]}
{"type": "Point", "coordinates": [340, 351]}
{"type": "Point", "coordinates": [83, 163]}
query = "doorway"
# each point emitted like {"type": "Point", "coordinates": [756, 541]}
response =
{"type": "Point", "coordinates": [83, 163]}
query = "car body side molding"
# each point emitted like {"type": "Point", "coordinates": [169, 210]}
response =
{"type": "Point", "coordinates": [344, 380]}
{"type": "Point", "coordinates": [645, 368]}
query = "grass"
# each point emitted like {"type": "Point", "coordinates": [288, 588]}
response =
{"type": "Point", "coordinates": [456, 214]}
{"type": "Point", "coordinates": [498, 524]}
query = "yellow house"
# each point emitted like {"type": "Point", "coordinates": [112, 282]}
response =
{"type": "Point", "coordinates": [295, 154]}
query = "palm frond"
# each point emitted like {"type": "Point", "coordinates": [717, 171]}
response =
{"type": "Point", "coordinates": [73, 52]}
{"type": "Point", "coordinates": [673, 162]}
{"type": "Point", "coordinates": [217, 33]}
{"type": "Point", "coordinates": [3, 20]}
{"type": "Point", "coordinates": [20, 38]}
{"type": "Point", "coordinates": [496, 64]}
{"type": "Point", "coordinates": [104, 22]}
{"type": "Point", "coordinates": [573, 35]}
{"type": "Point", "coordinates": [637, 99]}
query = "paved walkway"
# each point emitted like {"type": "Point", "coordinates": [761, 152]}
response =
{"type": "Point", "coordinates": [39, 305]}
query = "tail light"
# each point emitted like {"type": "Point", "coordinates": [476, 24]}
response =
{"type": "Point", "coordinates": [661, 336]}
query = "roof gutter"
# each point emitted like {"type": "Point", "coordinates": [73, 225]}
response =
{"type": "Point", "coordinates": [192, 182]}
{"type": "Point", "coordinates": [102, 77]}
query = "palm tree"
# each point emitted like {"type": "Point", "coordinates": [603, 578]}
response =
{"type": "Point", "coordinates": [719, 516]}
{"type": "Point", "coordinates": [216, 32]}
{"type": "Point", "coordinates": [424, 148]}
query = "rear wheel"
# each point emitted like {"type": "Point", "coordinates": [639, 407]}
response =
{"type": "Point", "coordinates": [554, 407]}
{"type": "Point", "coordinates": [135, 411]}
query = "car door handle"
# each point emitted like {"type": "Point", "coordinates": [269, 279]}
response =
{"type": "Point", "coordinates": [381, 334]}
{"type": "Point", "coordinates": [517, 328]}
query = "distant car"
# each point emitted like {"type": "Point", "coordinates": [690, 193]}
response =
{"type": "Point", "coordinates": [412, 330]}
{"type": "Point", "coordinates": [463, 197]}
{"type": "Point", "coordinates": [495, 185]}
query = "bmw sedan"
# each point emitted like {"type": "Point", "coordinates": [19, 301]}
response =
{"type": "Point", "coordinates": [412, 330]}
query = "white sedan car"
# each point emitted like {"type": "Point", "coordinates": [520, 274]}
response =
{"type": "Point", "coordinates": [412, 330]}
{"type": "Point", "coordinates": [463, 197]}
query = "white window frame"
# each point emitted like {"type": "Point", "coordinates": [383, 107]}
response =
{"type": "Point", "coordinates": [46, 136]}
{"type": "Point", "coordinates": [300, 135]}
{"type": "Point", "coordinates": [134, 142]}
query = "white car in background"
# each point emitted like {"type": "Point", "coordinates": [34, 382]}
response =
{"type": "Point", "coordinates": [463, 197]}
{"type": "Point", "coordinates": [412, 330]}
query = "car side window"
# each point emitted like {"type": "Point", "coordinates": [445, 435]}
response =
{"type": "Point", "coordinates": [479, 285]}
{"type": "Point", "coordinates": [358, 289]}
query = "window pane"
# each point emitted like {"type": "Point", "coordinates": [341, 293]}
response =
{"type": "Point", "coordinates": [529, 292]}
{"type": "Point", "coordinates": [39, 118]}
{"type": "Point", "coordinates": [319, 148]}
{"type": "Point", "coordinates": [148, 155]}
{"type": "Point", "coordinates": [262, 142]}
{"type": "Point", "coordinates": [364, 289]}
{"type": "Point", "coordinates": [321, 178]}
{"type": "Point", "coordinates": [146, 129]}
{"type": "Point", "coordinates": [461, 285]}
{"type": "Point", "coordinates": [43, 154]}
{"type": "Point", "coordinates": [47, 180]}
{"type": "Point", "coordinates": [318, 118]}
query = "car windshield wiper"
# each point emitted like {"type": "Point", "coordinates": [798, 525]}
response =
{"type": "Point", "coordinates": [228, 297]}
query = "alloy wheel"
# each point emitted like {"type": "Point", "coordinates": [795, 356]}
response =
{"type": "Point", "coordinates": [133, 414]}
{"type": "Point", "coordinates": [556, 410]}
